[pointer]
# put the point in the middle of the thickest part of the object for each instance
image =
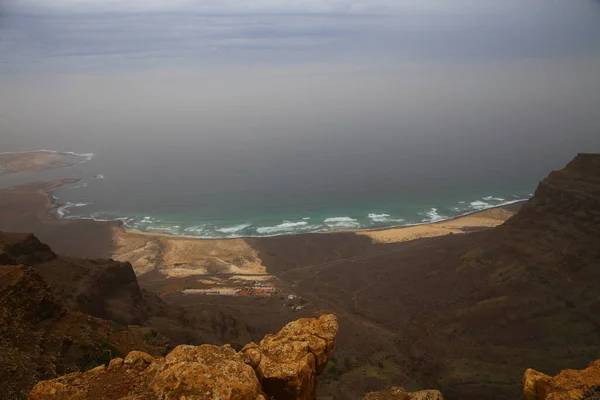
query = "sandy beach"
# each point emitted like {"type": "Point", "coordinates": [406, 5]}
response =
{"type": "Point", "coordinates": [468, 223]}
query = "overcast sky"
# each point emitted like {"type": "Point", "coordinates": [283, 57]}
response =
{"type": "Point", "coordinates": [59, 35]}
{"type": "Point", "coordinates": [73, 70]}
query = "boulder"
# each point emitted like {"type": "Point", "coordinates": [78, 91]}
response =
{"type": "Point", "coordinates": [188, 372]}
{"type": "Point", "coordinates": [289, 362]}
{"type": "Point", "coordinates": [569, 384]}
{"type": "Point", "coordinates": [535, 385]}
{"type": "Point", "coordinates": [398, 393]}
{"type": "Point", "coordinates": [395, 393]}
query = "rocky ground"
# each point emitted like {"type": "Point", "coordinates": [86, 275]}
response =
{"type": "Point", "coordinates": [282, 366]}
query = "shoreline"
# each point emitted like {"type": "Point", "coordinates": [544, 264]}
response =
{"type": "Point", "coordinates": [170, 264]}
{"type": "Point", "coordinates": [471, 221]}
{"type": "Point", "coordinates": [121, 224]}
{"type": "Point", "coordinates": [336, 231]}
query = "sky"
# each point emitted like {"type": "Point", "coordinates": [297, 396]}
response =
{"type": "Point", "coordinates": [75, 35]}
{"type": "Point", "coordinates": [83, 71]}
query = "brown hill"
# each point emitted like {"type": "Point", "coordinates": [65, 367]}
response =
{"type": "Point", "coordinates": [466, 314]}
{"type": "Point", "coordinates": [40, 339]}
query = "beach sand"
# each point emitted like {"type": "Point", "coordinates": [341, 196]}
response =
{"type": "Point", "coordinates": [175, 256]}
{"type": "Point", "coordinates": [468, 223]}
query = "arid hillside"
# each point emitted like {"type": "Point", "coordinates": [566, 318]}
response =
{"type": "Point", "coordinates": [466, 314]}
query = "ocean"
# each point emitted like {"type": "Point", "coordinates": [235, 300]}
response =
{"type": "Point", "coordinates": [214, 124]}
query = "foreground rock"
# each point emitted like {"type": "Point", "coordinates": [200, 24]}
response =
{"type": "Point", "coordinates": [569, 384]}
{"type": "Point", "coordinates": [282, 366]}
{"type": "Point", "coordinates": [398, 393]}
{"type": "Point", "coordinates": [289, 362]}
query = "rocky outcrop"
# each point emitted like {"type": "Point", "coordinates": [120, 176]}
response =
{"type": "Point", "coordinates": [569, 384]}
{"type": "Point", "coordinates": [105, 289]}
{"type": "Point", "coordinates": [398, 393]}
{"type": "Point", "coordinates": [289, 362]}
{"type": "Point", "coordinates": [188, 372]}
{"type": "Point", "coordinates": [281, 366]}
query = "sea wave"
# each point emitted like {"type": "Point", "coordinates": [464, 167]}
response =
{"type": "Point", "coordinates": [286, 226]}
{"type": "Point", "coordinates": [433, 216]}
{"type": "Point", "coordinates": [381, 218]}
{"type": "Point", "coordinates": [168, 229]}
{"type": "Point", "coordinates": [233, 229]}
{"type": "Point", "coordinates": [195, 229]}
{"type": "Point", "coordinates": [480, 205]}
{"type": "Point", "coordinates": [342, 222]}
{"type": "Point", "coordinates": [63, 210]}
{"type": "Point", "coordinates": [488, 198]}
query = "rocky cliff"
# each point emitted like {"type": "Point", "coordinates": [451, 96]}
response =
{"type": "Point", "coordinates": [40, 338]}
{"type": "Point", "coordinates": [109, 289]}
{"type": "Point", "coordinates": [281, 366]}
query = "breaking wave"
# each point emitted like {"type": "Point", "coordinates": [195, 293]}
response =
{"type": "Point", "coordinates": [488, 198]}
{"type": "Point", "coordinates": [382, 218]}
{"type": "Point", "coordinates": [342, 222]}
{"type": "Point", "coordinates": [233, 229]}
{"type": "Point", "coordinates": [286, 226]}
{"type": "Point", "coordinates": [479, 205]}
{"type": "Point", "coordinates": [433, 216]}
{"type": "Point", "coordinates": [63, 211]}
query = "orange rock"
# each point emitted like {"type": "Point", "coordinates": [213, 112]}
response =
{"type": "Point", "coordinates": [205, 372]}
{"type": "Point", "coordinates": [291, 360]}
{"type": "Point", "coordinates": [398, 393]}
{"type": "Point", "coordinates": [286, 364]}
{"type": "Point", "coordinates": [535, 385]}
{"type": "Point", "coordinates": [569, 384]}
{"type": "Point", "coordinates": [395, 393]}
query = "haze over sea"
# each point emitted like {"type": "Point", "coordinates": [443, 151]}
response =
{"type": "Point", "coordinates": [235, 118]}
